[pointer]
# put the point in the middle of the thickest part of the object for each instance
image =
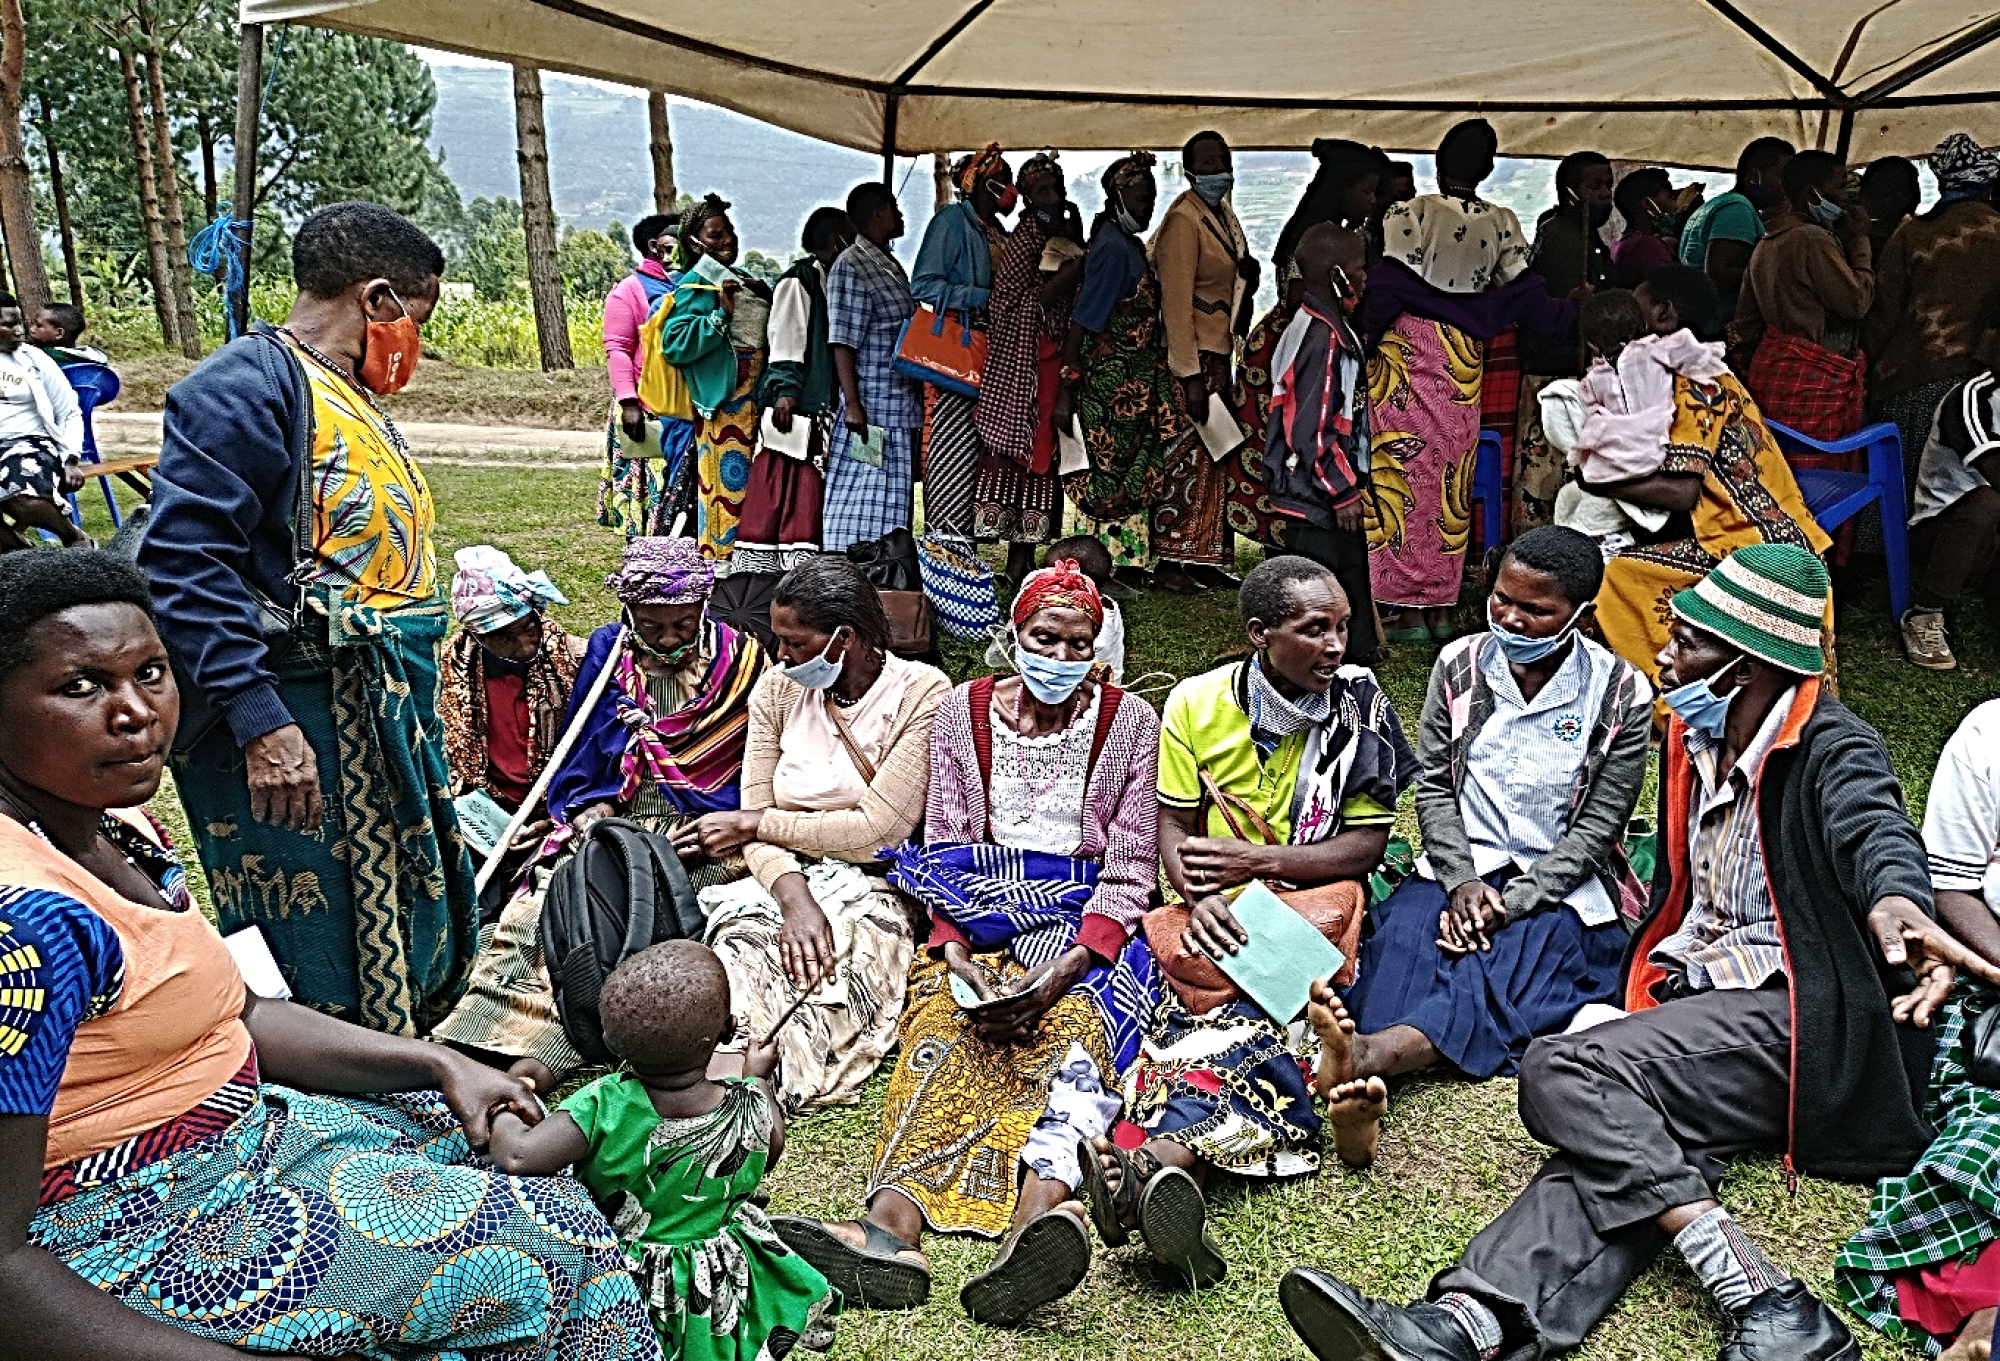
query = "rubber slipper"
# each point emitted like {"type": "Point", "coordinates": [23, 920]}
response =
{"type": "Point", "coordinates": [1108, 1207]}
{"type": "Point", "coordinates": [1048, 1259]}
{"type": "Point", "coordinates": [868, 1277]}
{"type": "Point", "coordinates": [1173, 1220]}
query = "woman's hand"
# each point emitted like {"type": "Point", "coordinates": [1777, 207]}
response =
{"type": "Point", "coordinates": [632, 420]}
{"type": "Point", "coordinates": [729, 292]}
{"type": "Point", "coordinates": [580, 822]}
{"type": "Point", "coordinates": [1469, 919]}
{"type": "Point", "coordinates": [781, 414]}
{"type": "Point", "coordinates": [959, 961]}
{"type": "Point", "coordinates": [532, 835]}
{"type": "Point", "coordinates": [474, 1092]}
{"type": "Point", "coordinates": [1213, 863]}
{"type": "Point", "coordinates": [805, 942]}
{"type": "Point", "coordinates": [1065, 409]}
{"type": "Point", "coordinates": [1213, 930]}
{"type": "Point", "coordinates": [760, 1060]}
{"type": "Point", "coordinates": [72, 477]}
{"type": "Point", "coordinates": [1019, 1018]}
{"type": "Point", "coordinates": [1194, 389]}
{"type": "Point", "coordinates": [717, 834]}
{"type": "Point", "coordinates": [855, 418]}
{"type": "Point", "coordinates": [283, 775]}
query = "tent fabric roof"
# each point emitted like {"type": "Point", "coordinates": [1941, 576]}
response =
{"type": "Point", "coordinates": [1672, 81]}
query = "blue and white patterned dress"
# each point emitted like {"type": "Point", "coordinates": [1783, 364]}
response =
{"type": "Point", "coordinates": [867, 302]}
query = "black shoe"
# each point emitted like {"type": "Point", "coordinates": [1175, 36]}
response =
{"type": "Point", "coordinates": [1339, 1323]}
{"type": "Point", "coordinates": [1787, 1324]}
{"type": "Point", "coordinates": [1048, 1260]}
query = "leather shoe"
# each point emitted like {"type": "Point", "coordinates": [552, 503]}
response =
{"type": "Point", "coordinates": [1339, 1323]}
{"type": "Point", "coordinates": [1787, 1323]}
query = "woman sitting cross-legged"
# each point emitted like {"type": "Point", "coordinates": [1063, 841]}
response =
{"type": "Point", "coordinates": [662, 745]}
{"type": "Point", "coordinates": [835, 772]}
{"type": "Point", "coordinates": [1299, 744]}
{"type": "Point", "coordinates": [1533, 746]}
{"type": "Point", "coordinates": [1042, 826]}
{"type": "Point", "coordinates": [189, 1172]}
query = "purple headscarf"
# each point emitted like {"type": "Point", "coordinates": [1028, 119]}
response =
{"type": "Point", "coordinates": [662, 571]}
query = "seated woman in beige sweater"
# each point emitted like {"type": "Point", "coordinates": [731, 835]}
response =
{"type": "Point", "coordinates": [836, 769]}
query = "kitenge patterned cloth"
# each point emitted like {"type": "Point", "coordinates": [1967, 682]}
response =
{"type": "Point", "coordinates": [463, 712]}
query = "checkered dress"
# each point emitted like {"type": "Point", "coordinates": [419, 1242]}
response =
{"type": "Point", "coordinates": [1948, 1207]}
{"type": "Point", "coordinates": [867, 302]}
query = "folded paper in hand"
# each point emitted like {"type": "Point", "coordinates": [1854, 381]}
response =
{"type": "Point", "coordinates": [1285, 956]}
{"type": "Point", "coordinates": [1069, 444]}
{"type": "Point", "coordinates": [870, 447]}
{"type": "Point", "coordinates": [1220, 432]}
{"type": "Point", "coordinates": [797, 444]}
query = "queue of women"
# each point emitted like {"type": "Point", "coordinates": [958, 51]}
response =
{"type": "Point", "coordinates": [1018, 893]}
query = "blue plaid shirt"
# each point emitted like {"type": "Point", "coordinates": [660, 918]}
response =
{"type": "Point", "coordinates": [867, 302]}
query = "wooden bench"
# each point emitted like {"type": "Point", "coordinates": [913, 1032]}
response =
{"type": "Point", "coordinates": [133, 470]}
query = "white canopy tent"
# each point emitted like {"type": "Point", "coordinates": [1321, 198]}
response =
{"type": "Point", "coordinates": [1684, 82]}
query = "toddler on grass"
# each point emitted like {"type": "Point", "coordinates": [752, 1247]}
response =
{"type": "Point", "coordinates": [673, 1159]}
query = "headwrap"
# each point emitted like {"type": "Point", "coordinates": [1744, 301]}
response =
{"type": "Point", "coordinates": [1127, 171]}
{"type": "Point", "coordinates": [662, 571]}
{"type": "Point", "coordinates": [685, 249]}
{"type": "Point", "coordinates": [489, 592]}
{"type": "Point", "coordinates": [1040, 166]}
{"type": "Point", "coordinates": [1059, 586]}
{"type": "Point", "coordinates": [1963, 167]}
{"type": "Point", "coordinates": [967, 174]}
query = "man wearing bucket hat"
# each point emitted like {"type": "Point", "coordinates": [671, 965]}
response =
{"type": "Point", "coordinates": [1775, 998]}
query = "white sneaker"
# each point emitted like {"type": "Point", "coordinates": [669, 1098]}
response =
{"type": "Point", "coordinates": [1924, 641]}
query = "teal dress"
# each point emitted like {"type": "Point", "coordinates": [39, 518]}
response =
{"type": "Point", "coordinates": [719, 1284]}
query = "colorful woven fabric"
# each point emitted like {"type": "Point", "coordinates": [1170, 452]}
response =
{"type": "Point", "coordinates": [1425, 381]}
{"type": "Point", "coordinates": [724, 444]}
{"type": "Point", "coordinates": [1059, 586]}
{"type": "Point", "coordinates": [1251, 512]}
{"type": "Point", "coordinates": [489, 592]}
{"type": "Point", "coordinates": [1818, 393]}
{"type": "Point", "coordinates": [648, 495]}
{"type": "Point", "coordinates": [662, 571]}
{"type": "Point", "coordinates": [463, 712]}
{"type": "Point", "coordinates": [1128, 409]}
{"type": "Point", "coordinates": [959, 586]}
{"type": "Point", "coordinates": [351, 1226]}
{"type": "Point", "coordinates": [1191, 521]}
{"type": "Point", "coordinates": [967, 174]}
{"type": "Point", "coordinates": [1767, 599]}
{"type": "Point", "coordinates": [1008, 406]}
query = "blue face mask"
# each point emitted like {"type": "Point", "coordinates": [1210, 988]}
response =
{"type": "Point", "coordinates": [1518, 648]}
{"type": "Point", "coordinates": [1824, 211]}
{"type": "Point", "coordinates": [1047, 679]}
{"type": "Point", "coordinates": [1129, 222]}
{"type": "Point", "coordinates": [1213, 187]}
{"type": "Point", "coordinates": [1697, 705]}
{"type": "Point", "coordinates": [815, 673]}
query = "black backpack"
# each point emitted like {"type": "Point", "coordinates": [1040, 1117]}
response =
{"type": "Point", "coordinates": [623, 890]}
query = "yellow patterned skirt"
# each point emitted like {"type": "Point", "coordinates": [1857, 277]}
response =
{"type": "Point", "coordinates": [959, 1108]}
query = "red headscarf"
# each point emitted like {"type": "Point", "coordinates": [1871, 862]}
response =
{"type": "Point", "coordinates": [1059, 586]}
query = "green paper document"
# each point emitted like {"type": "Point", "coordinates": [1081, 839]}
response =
{"type": "Point", "coordinates": [1277, 969]}
{"type": "Point", "coordinates": [870, 446]}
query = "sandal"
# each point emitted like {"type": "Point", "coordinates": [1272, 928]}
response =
{"type": "Point", "coordinates": [871, 1276]}
{"type": "Point", "coordinates": [1173, 1219]}
{"type": "Point", "coordinates": [1047, 1259]}
{"type": "Point", "coordinates": [1111, 1211]}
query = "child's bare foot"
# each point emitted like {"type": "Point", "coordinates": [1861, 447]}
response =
{"type": "Point", "coordinates": [1975, 1340]}
{"type": "Point", "coordinates": [1355, 1110]}
{"type": "Point", "coordinates": [1327, 1015]}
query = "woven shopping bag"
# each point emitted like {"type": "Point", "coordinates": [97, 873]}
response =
{"type": "Point", "coordinates": [959, 585]}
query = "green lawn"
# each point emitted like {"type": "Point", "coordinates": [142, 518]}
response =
{"type": "Point", "coordinates": [1453, 1152]}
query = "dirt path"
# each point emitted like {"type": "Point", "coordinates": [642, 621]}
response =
{"type": "Point", "coordinates": [135, 432]}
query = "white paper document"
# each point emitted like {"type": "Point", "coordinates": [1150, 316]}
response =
{"type": "Point", "coordinates": [1072, 457]}
{"type": "Point", "coordinates": [798, 444]}
{"type": "Point", "coordinates": [258, 966]}
{"type": "Point", "coordinates": [1220, 432]}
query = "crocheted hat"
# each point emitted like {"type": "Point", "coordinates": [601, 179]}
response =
{"type": "Point", "coordinates": [1766, 598]}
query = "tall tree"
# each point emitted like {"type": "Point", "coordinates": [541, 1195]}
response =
{"type": "Point", "coordinates": [538, 221]}
{"type": "Point", "coordinates": [167, 162]}
{"type": "Point", "coordinates": [59, 191]}
{"type": "Point", "coordinates": [661, 144]}
{"type": "Point", "coordinates": [17, 189]}
{"type": "Point", "coordinates": [149, 194]}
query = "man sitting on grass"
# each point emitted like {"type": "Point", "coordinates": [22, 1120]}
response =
{"type": "Point", "coordinates": [1766, 995]}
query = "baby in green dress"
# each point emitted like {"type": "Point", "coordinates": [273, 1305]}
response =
{"type": "Point", "coordinates": [673, 1158]}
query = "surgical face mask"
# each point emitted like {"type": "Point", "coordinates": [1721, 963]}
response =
{"type": "Point", "coordinates": [1665, 222]}
{"type": "Point", "coordinates": [1213, 187]}
{"type": "Point", "coordinates": [1516, 647]}
{"type": "Point", "coordinates": [1697, 704]}
{"type": "Point", "coordinates": [1824, 211]}
{"type": "Point", "coordinates": [815, 673]}
{"type": "Point", "coordinates": [672, 657]}
{"type": "Point", "coordinates": [1047, 679]}
{"type": "Point", "coordinates": [1048, 214]}
{"type": "Point", "coordinates": [1600, 213]}
{"type": "Point", "coordinates": [1127, 221]}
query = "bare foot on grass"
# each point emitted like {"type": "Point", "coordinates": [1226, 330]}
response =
{"type": "Point", "coordinates": [1975, 1340]}
{"type": "Point", "coordinates": [1355, 1110]}
{"type": "Point", "coordinates": [1327, 1015]}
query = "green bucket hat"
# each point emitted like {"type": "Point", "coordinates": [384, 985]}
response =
{"type": "Point", "coordinates": [1767, 599]}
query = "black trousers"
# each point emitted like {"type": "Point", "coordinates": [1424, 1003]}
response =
{"type": "Point", "coordinates": [1643, 1113]}
{"type": "Point", "coordinates": [1346, 556]}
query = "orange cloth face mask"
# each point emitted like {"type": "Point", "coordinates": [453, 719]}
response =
{"type": "Point", "coordinates": [389, 354]}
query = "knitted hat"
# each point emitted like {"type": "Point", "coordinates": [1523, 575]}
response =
{"type": "Point", "coordinates": [1768, 599]}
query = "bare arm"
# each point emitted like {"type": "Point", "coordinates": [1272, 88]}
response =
{"type": "Point", "coordinates": [1967, 916]}
{"type": "Point", "coordinates": [1658, 491]}
{"type": "Point", "coordinates": [1726, 264]}
{"type": "Point", "coordinates": [540, 1151]}
{"type": "Point", "coordinates": [850, 386]}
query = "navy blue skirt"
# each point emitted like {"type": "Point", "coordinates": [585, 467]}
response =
{"type": "Point", "coordinates": [1481, 1009]}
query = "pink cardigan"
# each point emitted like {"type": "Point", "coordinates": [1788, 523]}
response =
{"type": "Point", "coordinates": [1121, 813]}
{"type": "Point", "coordinates": [625, 311]}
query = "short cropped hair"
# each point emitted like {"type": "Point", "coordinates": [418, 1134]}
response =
{"type": "Point", "coordinates": [339, 246]}
{"type": "Point", "coordinates": [1633, 191]}
{"type": "Point", "coordinates": [1573, 559]}
{"type": "Point", "coordinates": [1611, 320]}
{"type": "Point", "coordinates": [1270, 589]}
{"type": "Point", "coordinates": [653, 226]}
{"type": "Point", "coordinates": [69, 317]}
{"type": "Point", "coordinates": [1765, 153]}
{"type": "Point", "coordinates": [666, 1007]}
{"type": "Point", "coordinates": [38, 582]}
{"type": "Point", "coordinates": [867, 199]}
{"type": "Point", "coordinates": [822, 226]}
{"type": "Point", "coordinates": [1689, 289]}
{"type": "Point", "coordinates": [1087, 551]}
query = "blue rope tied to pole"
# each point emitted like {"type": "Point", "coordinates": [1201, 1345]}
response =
{"type": "Point", "coordinates": [219, 246]}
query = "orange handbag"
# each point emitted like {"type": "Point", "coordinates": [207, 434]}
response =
{"type": "Point", "coordinates": [1335, 911]}
{"type": "Point", "coordinates": [947, 351]}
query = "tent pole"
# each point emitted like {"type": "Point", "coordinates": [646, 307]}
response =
{"type": "Point", "coordinates": [889, 138]}
{"type": "Point", "coordinates": [243, 207]}
{"type": "Point", "coordinates": [1844, 139]}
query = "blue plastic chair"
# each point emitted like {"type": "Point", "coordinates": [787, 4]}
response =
{"type": "Point", "coordinates": [1834, 497]}
{"type": "Point", "coordinates": [1489, 488]}
{"type": "Point", "coordinates": [95, 385]}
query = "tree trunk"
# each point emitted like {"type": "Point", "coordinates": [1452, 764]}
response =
{"type": "Point", "coordinates": [149, 196]}
{"type": "Point", "coordinates": [17, 191]}
{"type": "Point", "coordinates": [538, 221]}
{"type": "Point", "coordinates": [662, 145]}
{"type": "Point", "coordinates": [167, 165]}
{"type": "Point", "coordinates": [59, 191]}
{"type": "Point", "coordinates": [205, 132]}
{"type": "Point", "coordinates": [941, 178]}
{"type": "Point", "coordinates": [243, 201]}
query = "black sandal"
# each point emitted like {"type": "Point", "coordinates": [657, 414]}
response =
{"type": "Point", "coordinates": [1112, 1212]}
{"type": "Point", "coordinates": [871, 1276]}
{"type": "Point", "coordinates": [1173, 1220]}
{"type": "Point", "coordinates": [1047, 1259]}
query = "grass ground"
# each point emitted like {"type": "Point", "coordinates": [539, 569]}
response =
{"type": "Point", "coordinates": [1453, 1152]}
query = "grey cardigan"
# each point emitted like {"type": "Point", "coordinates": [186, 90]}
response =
{"type": "Point", "coordinates": [1456, 707]}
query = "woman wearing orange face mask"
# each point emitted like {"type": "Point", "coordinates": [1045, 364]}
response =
{"type": "Point", "coordinates": [291, 559]}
